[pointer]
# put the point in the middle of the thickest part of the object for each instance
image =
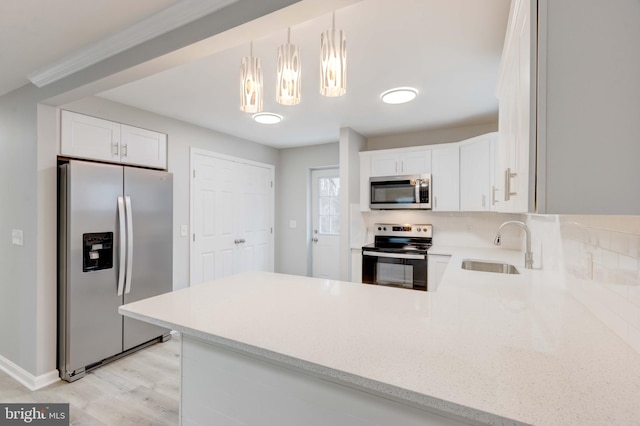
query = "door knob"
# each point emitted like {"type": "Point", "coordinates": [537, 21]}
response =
{"type": "Point", "coordinates": [315, 240]}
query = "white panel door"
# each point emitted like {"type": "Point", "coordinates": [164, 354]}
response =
{"type": "Point", "coordinates": [232, 217]}
{"type": "Point", "coordinates": [254, 218]}
{"type": "Point", "coordinates": [83, 136]}
{"type": "Point", "coordinates": [325, 218]}
{"type": "Point", "coordinates": [212, 227]}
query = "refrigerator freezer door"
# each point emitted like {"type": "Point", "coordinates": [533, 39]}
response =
{"type": "Point", "coordinates": [90, 326]}
{"type": "Point", "coordinates": [149, 194]}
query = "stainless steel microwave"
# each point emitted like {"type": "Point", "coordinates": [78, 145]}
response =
{"type": "Point", "coordinates": [400, 192]}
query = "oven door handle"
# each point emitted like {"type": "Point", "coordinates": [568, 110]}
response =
{"type": "Point", "coordinates": [394, 255]}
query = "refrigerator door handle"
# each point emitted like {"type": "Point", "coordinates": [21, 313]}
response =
{"type": "Point", "coordinates": [123, 250]}
{"type": "Point", "coordinates": [127, 288]}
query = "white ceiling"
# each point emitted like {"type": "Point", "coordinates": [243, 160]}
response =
{"type": "Point", "coordinates": [35, 33]}
{"type": "Point", "coordinates": [448, 49]}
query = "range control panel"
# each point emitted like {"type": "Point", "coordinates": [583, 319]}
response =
{"type": "Point", "coordinates": [390, 229]}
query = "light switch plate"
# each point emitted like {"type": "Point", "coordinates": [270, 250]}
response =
{"type": "Point", "coordinates": [184, 230]}
{"type": "Point", "coordinates": [17, 237]}
{"type": "Point", "coordinates": [292, 224]}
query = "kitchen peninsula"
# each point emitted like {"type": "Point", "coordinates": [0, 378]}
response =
{"type": "Point", "coordinates": [266, 348]}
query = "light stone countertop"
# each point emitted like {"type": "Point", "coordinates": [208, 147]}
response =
{"type": "Point", "coordinates": [493, 348]}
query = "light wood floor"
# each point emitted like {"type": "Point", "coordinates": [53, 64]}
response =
{"type": "Point", "coordinates": [140, 389]}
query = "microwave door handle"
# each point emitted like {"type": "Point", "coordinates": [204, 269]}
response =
{"type": "Point", "coordinates": [417, 190]}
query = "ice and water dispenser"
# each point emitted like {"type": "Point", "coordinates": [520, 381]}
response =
{"type": "Point", "coordinates": [97, 251]}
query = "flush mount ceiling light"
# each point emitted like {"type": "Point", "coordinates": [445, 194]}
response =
{"type": "Point", "coordinates": [333, 61]}
{"type": "Point", "coordinates": [251, 88]}
{"type": "Point", "coordinates": [289, 70]}
{"type": "Point", "coordinates": [267, 118]}
{"type": "Point", "coordinates": [399, 95]}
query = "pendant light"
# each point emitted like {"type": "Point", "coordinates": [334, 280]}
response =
{"type": "Point", "coordinates": [333, 61]}
{"type": "Point", "coordinates": [251, 88]}
{"type": "Point", "coordinates": [289, 70]}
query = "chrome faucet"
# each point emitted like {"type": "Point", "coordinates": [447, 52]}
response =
{"type": "Point", "coordinates": [528, 255]}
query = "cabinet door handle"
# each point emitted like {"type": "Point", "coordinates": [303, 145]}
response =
{"type": "Point", "coordinates": [124, 151]}
{"type": "Point", "coordinates": [507, 184]}
{"type": "Point", "coordinates": [484, 201]}
{"type": "Point", "coordinates": [493, 195]}
{"type": "Point", "coordinates": [115, 150]}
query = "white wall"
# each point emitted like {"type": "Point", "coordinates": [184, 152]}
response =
{"type": "Point", "coordinates": [430, 137]}
{"type": "Point", "coordinates": [351, 143]}
{"type": "Point", "coordinates": [47, 267]}
{"type": "Point", "coordinates": [182, 136]}
{"type": "Point", "coordinates": [292, 198]}
{"type": "Point", "coordinates": [18, 210]}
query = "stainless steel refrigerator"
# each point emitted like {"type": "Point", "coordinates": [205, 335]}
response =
{"type": "Point", "coordinates": [115, 247]}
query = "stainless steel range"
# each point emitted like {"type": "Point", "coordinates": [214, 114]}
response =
{"type": "Point", "coordinates": [398, 256]}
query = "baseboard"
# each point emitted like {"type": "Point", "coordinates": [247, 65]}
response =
{"type": "Point", "coordinates": [27, 379]}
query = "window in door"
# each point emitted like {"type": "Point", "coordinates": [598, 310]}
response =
{"type": "Point", "coordinates": [329, 207]}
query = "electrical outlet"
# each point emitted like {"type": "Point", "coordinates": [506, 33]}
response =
{"type": "Point", "coordinates": [184, 230]}
{"type": "Point", "coordinates": [17, 237]}
{"type": "Point", "coordinates": [293, 224]}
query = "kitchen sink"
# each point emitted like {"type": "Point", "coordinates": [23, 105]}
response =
{"type": "Point", "coordinates": [489, 266]}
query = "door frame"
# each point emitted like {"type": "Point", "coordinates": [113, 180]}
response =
{"type": "Point", "coordinates": [199, 151]}
{"type": "Point", "coordinates": [309, 218]}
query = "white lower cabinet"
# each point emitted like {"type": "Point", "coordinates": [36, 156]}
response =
{"type": "Point", "coordinates": [82, 136]}
{"type": "Point", "coordinates": [436, 265]}
{"type": "Point", "coordinates": [356, 265]}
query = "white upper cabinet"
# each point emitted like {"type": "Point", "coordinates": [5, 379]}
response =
{"type": "Point", "coordinates": [514, 115]}
{"type": "Point", "coordinates": [143, 147]}
{"type": "Point", "coordinates": [392, 162]}
{"type": "Point", "coordinates": [82, 136]}
{"type": "Point", "coordinates": [477, 187]}
{"type": "Point", "coordinates": [445, 177]}
{"type": "Point", "coordinates": [89, 137]}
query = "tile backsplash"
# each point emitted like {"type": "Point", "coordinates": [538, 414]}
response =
{"type": "Point", "coordinates": [600, 259]}
{"type": "Point", "coordinates": [451, 229]}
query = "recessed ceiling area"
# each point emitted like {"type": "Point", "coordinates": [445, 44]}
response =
{"type": "Point", "coordinates": [449, 50]}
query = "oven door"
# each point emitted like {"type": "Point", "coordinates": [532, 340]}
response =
{"type": "Point", "coordinates": [395, 269]}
